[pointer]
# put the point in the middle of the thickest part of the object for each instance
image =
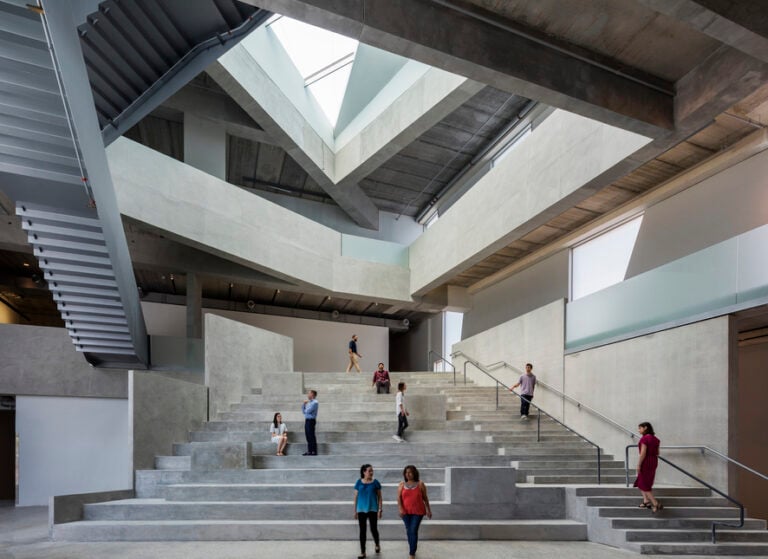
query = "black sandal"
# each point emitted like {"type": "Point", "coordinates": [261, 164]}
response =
{"type": "Point", "coordinates": [378, 549]}
{"type": "Point", "coordinates": [644, 505]}
{"type": "Point", "coordinates": [657, 507]}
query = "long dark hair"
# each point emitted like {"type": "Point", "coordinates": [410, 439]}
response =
{"type": "Point", "coordinates": [362, 470]}
{"type": "Point", "coordinates": [274, 419]}
{"type": "Point", "coordinates": [415, 471]}
{"type": "Point", "coordinates": [648, 428]}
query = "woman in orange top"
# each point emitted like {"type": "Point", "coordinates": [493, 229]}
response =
{"type": "Point", "coordinates": [413, 505]}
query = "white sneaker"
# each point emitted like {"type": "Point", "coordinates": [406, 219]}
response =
{"type": "Point", "coordinates": [398, 439]}
{"type": "Point", "coordinates": [524, 417]}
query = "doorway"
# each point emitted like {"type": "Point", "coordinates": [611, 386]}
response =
{"type": "Point", "coordinates": [7, 448]}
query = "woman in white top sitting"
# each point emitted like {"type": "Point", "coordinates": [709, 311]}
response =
{"type": "Point", "coordinates": [279, 433]}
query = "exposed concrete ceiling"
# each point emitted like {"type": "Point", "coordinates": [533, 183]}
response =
{"type": "Point", "coordinates": [606, 59]}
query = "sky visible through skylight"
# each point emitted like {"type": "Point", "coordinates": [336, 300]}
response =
{"type": "Point", "coordinates": [324, 59]}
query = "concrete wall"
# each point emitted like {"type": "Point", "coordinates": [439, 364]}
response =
{"type": "Point", "coordinates": [747, 442]}
{"type": "Point", "coordinates": [203, 211]}
{"type": "Point", "coordinates": [677, 379]}
{"type": "Point", "coordinates": [41, 361]}
{"type": "Point", "coordinates": [526, 291]}
{"type": "Point", "coordinates": [236, 356]}
{"type": "Point", "coordinates": [564, 153]}
{"type": "Point", "coordinates": [536, 337]}
{"type": "Point", "coordinates": [162, 411]}
{"type": "Point", "coordinates": [318, 345]}
{"type": "Point", "coordinates": [71, 445]}
{"type": "Point", "coordinates": [719, 208]}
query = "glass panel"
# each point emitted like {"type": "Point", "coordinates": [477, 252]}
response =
{"type": "Point", "coordinates": [701, 282]}
{"type": "Point", "coordinates": [374, 250]}
{"type": "Point", "coordinates": [753, 264]}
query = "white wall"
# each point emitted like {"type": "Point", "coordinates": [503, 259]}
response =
{"type": "Point", "coordinates": [71, 445]}
{"type": "Point", "coordinates": [564, 152]}
{"type": "Point", "coordinates": [537, 337]}
{"type": "Point", "coordinates": [318, 345]}
{"type": "Point", "coordinates": [677, 379]}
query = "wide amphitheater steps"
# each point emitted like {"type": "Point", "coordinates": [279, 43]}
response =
{"type": "Point", "coordinates": [490, 475]}
{"type": "Point", "coordinates": [682, 527]}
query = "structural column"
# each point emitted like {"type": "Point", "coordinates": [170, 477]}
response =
{"type": "Point", "coordinates": [194, 306]}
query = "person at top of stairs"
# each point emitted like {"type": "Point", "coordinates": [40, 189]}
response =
{"type": "Point", "coordinates": [381, 380]}
{"type": "Point", "coordinates": [354, 357]}
{"type": "Point", "coordinates": [647, 463]}
{"type": "Point", "coordinates": [309, 409]}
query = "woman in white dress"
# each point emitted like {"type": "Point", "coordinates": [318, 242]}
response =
{"type": "Point", "coordinates": [278, 432]}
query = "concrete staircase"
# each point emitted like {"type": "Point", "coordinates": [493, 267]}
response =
{"type": "Point", "coordinates": [683, 527]}
{"type": "Point", "coordinates": [488, 478]}
{"type": "Point", "coordinates": [465, 462]}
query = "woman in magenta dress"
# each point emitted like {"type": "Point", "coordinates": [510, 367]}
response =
{"type": "Point", "coordinates": [646, 466]}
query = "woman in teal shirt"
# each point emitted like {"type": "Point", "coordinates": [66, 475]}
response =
{"type": "Point", "coordinates": [368, 506]}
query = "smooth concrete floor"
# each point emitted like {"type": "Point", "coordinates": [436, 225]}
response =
{"type": "Point", "coordinates": [24, 535]}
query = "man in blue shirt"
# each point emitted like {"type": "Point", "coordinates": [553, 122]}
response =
{"type": "Point", "coordinates": [309, 409]}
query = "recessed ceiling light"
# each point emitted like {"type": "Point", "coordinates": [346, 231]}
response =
{"type": "Point", "coordinates": [26, 264]}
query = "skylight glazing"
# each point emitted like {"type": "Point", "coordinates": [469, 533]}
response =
{"type": "Point", "coordinates": [324, 60]}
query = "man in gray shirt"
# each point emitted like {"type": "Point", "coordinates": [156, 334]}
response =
{"type": "Point", "coordinates": [527, 384]}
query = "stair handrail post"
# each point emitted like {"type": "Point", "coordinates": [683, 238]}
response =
{"type": "Point", "coordinates": [497, 395]}
{"type": "Point", "coordinates": [599, 478]}
{"type": "Point", "coordinates": [715, 523]}
{"type": "Point", "coordinates": [442, 358]}
{"type": "Point", "coordinates": [538, 427]}
{"type": "Point", "coordinates": [483, 369]}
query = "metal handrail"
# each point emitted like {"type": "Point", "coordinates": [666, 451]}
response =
{"type": "Point", "coordinates": [632, 434]}
{"type": "Point", "coordinates": [715, 523]}
{"type": "Point", "coordinates": [432, 352]}
{"type": "Point", "coordinates": [478, 366]}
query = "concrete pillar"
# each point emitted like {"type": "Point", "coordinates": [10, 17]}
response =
{"type": "Point", "coordinates": [194, 307]}
{"type": "Point", "coordinates": [205, 145]}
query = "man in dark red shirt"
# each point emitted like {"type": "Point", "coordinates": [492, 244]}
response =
{"type": "Point", "coordinates": [381, 380]}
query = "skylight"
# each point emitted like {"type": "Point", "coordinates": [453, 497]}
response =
{"type": "Point", "coordinates": [324, 60]}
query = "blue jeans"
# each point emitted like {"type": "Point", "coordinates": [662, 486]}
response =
{"type": "Point", "coordinates": [412, 523]}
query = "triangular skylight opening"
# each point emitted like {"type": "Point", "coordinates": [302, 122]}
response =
{"type": "Point", "coordinates": [324, 60]}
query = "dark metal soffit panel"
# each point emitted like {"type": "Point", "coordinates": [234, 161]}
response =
{"type": "Point", "coordinates": [140, 52]}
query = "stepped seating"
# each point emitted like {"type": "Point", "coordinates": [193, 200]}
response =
{"type": "Point", "coordinates": [295, 497]}
{"type": "Point", "coordinates": [302, 497]}
{"type": "Point", "coordinates": [683, 527]}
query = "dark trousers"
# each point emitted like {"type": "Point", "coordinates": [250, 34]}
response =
{"type": "Point", "coordinates": [402, 424]}
{"type": "Point", "coordinates": [525, 403]}
{"type": "Point", "coordinates": [412, 523]}
{"type": "Point", "coordinates": [309, 432]}
{"type": "Point", "coordinates": [372, 518]}
{"type": "Point", "coordinates": [382, 387]}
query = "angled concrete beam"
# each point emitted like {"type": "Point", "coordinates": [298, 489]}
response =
{"type": "Point", "coordinates": [426, 102]}
{"type": "Point", "coordinates": [741, 25]}
{"type": "Point", "coordinates": [247, 83]}
{"type": "Point", "coordinates": [471, 43]}
{"type": "Point", "coordinates": [220, 108]}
